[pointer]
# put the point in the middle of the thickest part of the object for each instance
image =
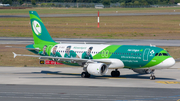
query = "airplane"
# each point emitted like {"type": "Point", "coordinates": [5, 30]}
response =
{"type": "Point", "coordinates": [96, 59]}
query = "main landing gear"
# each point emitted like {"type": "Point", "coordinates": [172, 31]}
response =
{"type": "Point", "coordinates": [152, 77]}
{"type": "Point", "coordinates": [85, 75]}
{"type": "Point", "coordinates": [115, 73]}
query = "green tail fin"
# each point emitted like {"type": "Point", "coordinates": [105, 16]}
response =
{"type": "Point", "coordinates": [40, 33]}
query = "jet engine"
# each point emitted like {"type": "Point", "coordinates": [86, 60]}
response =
{"type": "Point", "coordinates": [97, 69]}
{"type": "Point", "coordinates": [144, 71]}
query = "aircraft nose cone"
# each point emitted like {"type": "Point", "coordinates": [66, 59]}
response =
{"type": "Point", "coordinates": [169, 62]}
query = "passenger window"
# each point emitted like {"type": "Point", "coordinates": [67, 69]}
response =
{"type": "Point", "coordinates": [156, 54]}
{"type": "Point", "coordinates": [160, 54]}
{"type": "Point", "coordinates": [165, 54]}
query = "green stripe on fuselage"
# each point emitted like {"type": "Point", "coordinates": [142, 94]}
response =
{"type": "Point", "coordinates": [105, 52]}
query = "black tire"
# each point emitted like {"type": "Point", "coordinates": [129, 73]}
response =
{"type": "Point", "coordinates": [88, 75]}
{"type": "Point", "coordinates": [83, 74]}
{"type": "Point", "coordinates": [117, 73]}
{"type": "Point", "coordinates": [113, 74]}
{"type": "Point", "coordinates": [151, 78]}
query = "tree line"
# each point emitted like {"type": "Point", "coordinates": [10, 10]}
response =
{"type": "Point", "coordinates": [105, 2]}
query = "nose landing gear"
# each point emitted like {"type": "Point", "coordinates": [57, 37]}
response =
{"type": "Point", "coordinates": [152, 77]}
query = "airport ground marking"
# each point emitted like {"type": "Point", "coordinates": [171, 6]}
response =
{"type": "Point", "coordinates": [51, 67]}
{"type": "Point", "coordinates": [168, 82]}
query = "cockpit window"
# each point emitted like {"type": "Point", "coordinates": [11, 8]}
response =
{"type": "Point", "coordinates": [156, 54]}
{"type": "Point", "coordinates": [165, 54]}
{"type": "Point", "coordinates": [160, 54]}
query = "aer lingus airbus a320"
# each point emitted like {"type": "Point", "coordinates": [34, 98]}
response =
{"type": "Point", "coordinates": [96, 59]}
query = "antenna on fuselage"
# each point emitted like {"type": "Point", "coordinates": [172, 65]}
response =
{"type": "Point", "coordinates": [152, 45]}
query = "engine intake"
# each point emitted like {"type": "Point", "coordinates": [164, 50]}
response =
{"type": "Point", "coordinates": [97, 69]}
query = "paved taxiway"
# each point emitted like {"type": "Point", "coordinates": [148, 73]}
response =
{"type": "Point", "coordinates": [82, 93]}
{"type": "Point", "coordinates": [65, 83]}
{"type": "Point", "coordinates": [90, 15]}
{"type": "Point", "coordinates": [71, 76]}
{"type": "Point", "coordinates": [12, 40]}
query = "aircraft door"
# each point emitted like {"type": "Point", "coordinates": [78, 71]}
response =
{"type": "Point", "coordinates": [146, 54]}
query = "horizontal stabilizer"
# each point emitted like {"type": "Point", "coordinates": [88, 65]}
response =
{"type": "Point", "coordinates": [14, 54]}
{"type": "Point", "coordinates": [23, 48]}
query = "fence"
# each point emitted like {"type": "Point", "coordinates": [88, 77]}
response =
{"type": "Point", "coordinates": [85, 5]}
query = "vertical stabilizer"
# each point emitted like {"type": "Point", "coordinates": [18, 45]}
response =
{"type": "Point", "coordinates": [40, 33]}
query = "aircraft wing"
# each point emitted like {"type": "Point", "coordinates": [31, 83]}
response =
{"type": "Point", "coordinates": [106, 61]}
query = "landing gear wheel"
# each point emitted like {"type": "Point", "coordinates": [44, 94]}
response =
{"type": "Point", "coordinates": [85, 75]}
{"type": "Point", "coordinates": [115, 73]}
{"type": "Point", "coordinates": [152, 77]}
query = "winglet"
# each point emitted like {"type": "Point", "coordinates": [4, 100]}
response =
{"type": "Point", "coordinates": [14, 54]}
